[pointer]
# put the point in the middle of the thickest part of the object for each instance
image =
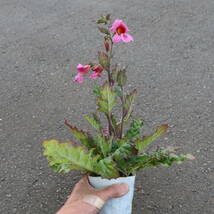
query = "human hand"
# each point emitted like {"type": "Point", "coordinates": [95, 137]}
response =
{"type": "Point", "coordinates": [75, 203]}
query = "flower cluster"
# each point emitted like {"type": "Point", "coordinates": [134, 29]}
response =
{"type": "Point", "coordinates": [119, 34]}
{"type": "Point", "coordinates": [84, 69]}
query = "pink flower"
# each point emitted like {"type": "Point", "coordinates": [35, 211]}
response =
{"type": "Point", "coordinates": [82, 70]}
{"type": "Point", "coordinates": [79, 78]}
{"type": "Point", "coordinates": [120, 30]}
{"type": "Point", "coordinates": [97, 70]}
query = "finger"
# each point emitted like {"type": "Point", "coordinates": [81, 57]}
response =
{"type": "Point", "coordinates": [80, 188]}
{"type": "Point", "coordinates": [113, 191]}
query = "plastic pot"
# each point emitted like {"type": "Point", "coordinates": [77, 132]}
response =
{"type": "Point", "coordinates": [122, 205]}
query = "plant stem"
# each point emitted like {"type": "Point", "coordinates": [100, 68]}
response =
{"type": "Point", "coordinates": [111, 129]}
{"type": "Point", "coordinates": [123, 112]}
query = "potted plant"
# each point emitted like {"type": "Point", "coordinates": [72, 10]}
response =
{"type": "Point", "coordinates": [114, 154]}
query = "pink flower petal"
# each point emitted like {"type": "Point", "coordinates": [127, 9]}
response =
{"type": "Point", "coordinates": [79, 78]}
{"type": "Point", "coordinates": [126, 38]}
{"type": "Point", "coordinates": [83, 69]}
{"type": "Point", "coordinates": [115, 25]}
{"type": "Point", "coordinates": [94, 75]}
{"type": "Point", "coordinates": [116, 38]}
{"type": "Point", "coordinates": [98, 69]}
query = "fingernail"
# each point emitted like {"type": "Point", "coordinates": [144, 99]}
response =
{"type": "Point", "coordinates": [124, 188]}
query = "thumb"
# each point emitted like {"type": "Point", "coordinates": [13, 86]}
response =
{"type": "Point", "coordinates": [113, 191]}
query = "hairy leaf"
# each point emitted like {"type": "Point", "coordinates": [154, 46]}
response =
{"type": "Point", "coordinates": [63, 157]}
{"type": "Point", "coordinates": [142, 143]}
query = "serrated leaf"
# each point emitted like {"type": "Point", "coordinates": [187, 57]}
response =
{"type": "Point", "coordinates": [142, 143]}
{"type": "Point", "coordinates": [104, 30]}
{"type": "Point", "coordinates": [81, 135]}
{"type": "Point", "coordinates": [91, 120]}
{"type": "Point", "coordinates": [104, 146]}
{"type": "Point", "coordinates": [102, 105]}
{"type": "Point", "coordinates": [107, 168]}
{"type": "Point", "coordinates": [63, 157]}
{"type": "Point", "coordinates": [106, 101]}
{"type": "Point", "coordinates": [123, 151]}
{"type": "Point", "coordinates": [114, 121]}
{"type": "Point", "coordinates": [134, 130]}
{"type": "Point", "coordinates": [128, 105]}
{"type": "Point", "coordinates": [159, 158]}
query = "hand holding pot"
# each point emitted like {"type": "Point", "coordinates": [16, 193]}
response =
{"type": "Point", "coordinates": [76, 202]}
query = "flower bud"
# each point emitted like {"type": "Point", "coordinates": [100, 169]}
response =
{"type": "Point", "coordinates": [107, 45]}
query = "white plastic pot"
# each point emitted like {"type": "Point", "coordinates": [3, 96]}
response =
{"type": "Point", "coordinates": [122, 205]}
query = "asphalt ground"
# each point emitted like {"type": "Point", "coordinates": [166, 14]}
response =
{"type": "Point", "coordinates": [171, 63]}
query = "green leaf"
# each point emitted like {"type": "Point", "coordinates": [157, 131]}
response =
{"type": "Point", "coordinates": [102, 20]}
{"type": "Point", "coordinates": [123, 151]}
{"type": "Point", "coordinates": [107, 169]}
{"type": "Point", "coordinates": [114, 73]}
{"type": "Point", "coordinates": [104, 146]}
{"type": "Point", "coordinates": [63, 157]}
{"type": "Point", "coordinates": [104, 30]}
{"type": "Point", "coordinates": [134, 130]}
{"type": "Point", "coordinates": [128, 105]}
{"type": "Point", "coordinates": [81, 135]}
{"type": "Point", "coordinates": [106, 101]}
{"type": "Point", "coordinates": [142, 143]}
{"type": "Point", "coordinates": [96, 90]}
{"type": "Point", "coordinates": [108, 16]}
{"type": "Point", "coordinates": [93, 121]}
{"type": "Point", "coordinates": [114, 121]}
{"type": "Point", "coordinates": [118, 91]}
{"type": "Point", "coordinates": [121, 77]}
{"type": "Point", "coordinates": [103, 60]}
{"type": "Point", "coordinates": [102, 105]}
{"type": "Point", "coordinates": [159, 158]}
